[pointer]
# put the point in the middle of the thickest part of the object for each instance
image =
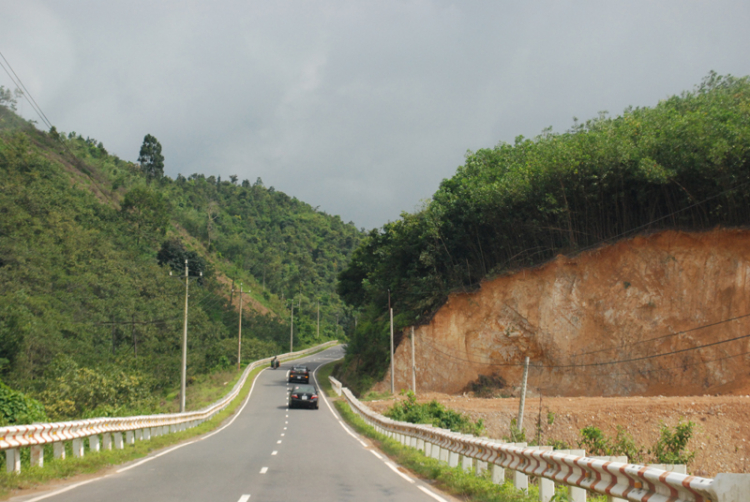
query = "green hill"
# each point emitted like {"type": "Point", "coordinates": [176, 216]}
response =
{"type": "Point", "coordinates": [684, 164]}
{"type": "Point", "coordinates": [90, 320]}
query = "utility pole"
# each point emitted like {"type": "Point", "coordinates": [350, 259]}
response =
{"type": "Point", "coordinates": [239, 334]}
{"type": "Point", "coordinates": [291, 329]}
{"type": "Point", "coordinates": [393, 366]}
{"type": "Point", "coordinates": [519, 422]}
{"type": "Point", "coordinates": [183, 383]}
{"type": "Point", "coordinates": [413, 365]}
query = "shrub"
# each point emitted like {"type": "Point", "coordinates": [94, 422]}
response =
{"type": "Point", "coordinates": [670, 447]}
{"type": "Point", "coordinates": [17, 409]}
{"type": "Point", "coordinates": [435, 414]}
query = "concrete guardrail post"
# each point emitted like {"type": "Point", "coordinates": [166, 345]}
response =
{"type": "Point", "coordinates": [129, 437]}
{"type": "Point", "coordinates": [452, 459]}
{"type": "Point", "coordinates": [481, 467]}
{"type": "Point", "coordinates": [94, 442]}
{"type": "Point", "coordinates": [420, 445]}
{"type": "Point", "coordinates": [467, 463]}
{"type": "Point", "coordinates": [520, 480]}
{"type": "Point", "coordinates": [436, 451]}
{"type": "Point", "coordinates": [139, 434]}
{"type": "Point", "coordinates": [78, 448]}
{"type": "Point", "coordinates": [147, 434]}
{"type": "Point", "coordinates": [13, 460]}
{"type": "Point", "coordinates": [444, 455]}
{"type": "Point", "coordinates": [119, 445]}
{"type": "Point", "coordinates": [58, 450]}
{"type": "Point", "coordinates": [37, 456]}
{"type": "Point", "coordinates": [107, 441]}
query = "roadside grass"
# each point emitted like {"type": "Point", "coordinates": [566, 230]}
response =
{"type": "Point", "coordinates": [454, 480]}
{"type": "Point", "coordinates": [93, 462]}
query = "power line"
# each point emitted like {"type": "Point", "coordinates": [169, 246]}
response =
{"type": "Point", "coordinates": [676, 333]}
{"type": "Point", "coordinates": [596, 364]}
{"type": "Point", "coordinates": [17, 81]}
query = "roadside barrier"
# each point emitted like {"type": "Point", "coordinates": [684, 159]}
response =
{"type": "Point", "coordinates": [617, 480]}
{"type": "Point", "coordinates": [111, 430]}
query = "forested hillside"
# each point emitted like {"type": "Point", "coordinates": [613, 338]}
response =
{"type": "Point", "coordinates": [91, 321]}
{"type": "Point", "coordinates": [683, 164]}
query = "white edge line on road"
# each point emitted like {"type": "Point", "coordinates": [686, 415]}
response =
{"type": "Point", "coordinates": [244, 498]}
{"type": "Point", "coordinates": [376, 454]}
{"type": "Point", "coordinates": [63, 490]}
{"type": "Point", "coordinates": [431, 494]}
{"type": "Point", "coordinates": [264, 470]}
{"type": "Point", "coordinates": [394, 468]}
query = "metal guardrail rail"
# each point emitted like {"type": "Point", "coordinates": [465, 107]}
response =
{"type": "Point", "coordinates": [617, 480]}
{"type": "Point", "coordinates": [37, 435]}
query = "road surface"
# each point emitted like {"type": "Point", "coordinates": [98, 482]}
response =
{"type": "Point", "coordinates": [267, 453]}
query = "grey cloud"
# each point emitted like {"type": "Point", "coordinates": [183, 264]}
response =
{"type": "Point", "coordinates": [359, 107]}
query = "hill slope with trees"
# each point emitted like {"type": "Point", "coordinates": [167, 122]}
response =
{"type": "Point", "coordinates": [683, 164]}
{"type": "Point", "coordinates": [90, 320]}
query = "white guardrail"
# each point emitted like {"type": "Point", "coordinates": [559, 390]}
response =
{"type": "Point", "coordinates": [135, 428]}
{"type": "Point", "coordinates": [615, 479]}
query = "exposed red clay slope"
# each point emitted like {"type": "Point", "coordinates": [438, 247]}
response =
{"type": "Point", "coordinates": [575, 316]}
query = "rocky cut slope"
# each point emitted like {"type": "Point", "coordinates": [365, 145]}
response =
{"type": "Point", "coordinates": [664, 314]}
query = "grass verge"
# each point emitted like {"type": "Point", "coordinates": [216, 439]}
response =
{"type": "Point", "coordinates": [453, 480]}
{"type": "Point", "coordinates": [31, 477]}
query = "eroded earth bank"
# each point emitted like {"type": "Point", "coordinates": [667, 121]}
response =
{"type": "Point", "coordinates": [666, 314]}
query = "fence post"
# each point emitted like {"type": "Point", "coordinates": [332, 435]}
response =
{"type": "Point", "coordinates": [453, 459]}
{"type": "Point", "coordinates": [13, 460]}
{"type": "Point", "coordinates": [107, 441]}
{"type": "Point", "coordinates": [78, 448]}
{"type": "Point", "coordinates": [37, 456]}
{"type": "Point", "coordinates": [467, 463]}
{"type": "Point", "coordinates": [94, 442]}
{"type": "Point", "coordinates": [118, 441]}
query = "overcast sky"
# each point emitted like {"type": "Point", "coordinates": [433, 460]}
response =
{"type": "Point", "coordinates": [361, 108]}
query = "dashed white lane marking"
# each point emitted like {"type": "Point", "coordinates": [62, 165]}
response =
{"type": "Point", "coordinates": [395, 469]}
{"type": "Point", "coordinates": [433, 495]}
{"type": "Point", "coordinates": [282, 434]}
{"type": "Point", "coordinates": [274, 452]}
{"type": "Point", "coordinates": [244, 498]}
{"type": "Point", "coordinates": [278, 442]}
{"type": "Point", "coordinates": [284, 428]}
{"type": "Point", "coordinates": [264, 470]}
{"type": "Point", "coordinates": [286, 422]}
{"type": "Point", "coordinates": [376, 454]}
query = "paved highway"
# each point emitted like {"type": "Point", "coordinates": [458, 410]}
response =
{"type": "Point", "coordinates": [266, 453]}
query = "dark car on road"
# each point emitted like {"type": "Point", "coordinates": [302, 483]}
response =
{"type": "Point", "coordinates": [303, 395]}
{"type": "Point", "coordinates": [299, 374]}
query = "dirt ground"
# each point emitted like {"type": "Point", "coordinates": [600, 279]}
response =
{"type": "Point", "coordinates": [721, 441]}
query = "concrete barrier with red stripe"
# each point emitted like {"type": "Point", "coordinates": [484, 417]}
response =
{"type": "Point", "coordinates": [617, 480]}
{"type": "Point", "coordinates": [36, 435]}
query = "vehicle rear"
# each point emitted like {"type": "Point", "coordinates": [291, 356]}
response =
{"type": "Point", "coordinates": [303, 396]}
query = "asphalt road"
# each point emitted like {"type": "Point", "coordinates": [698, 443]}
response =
{"type": "Point", "coordinates": [267, 453]}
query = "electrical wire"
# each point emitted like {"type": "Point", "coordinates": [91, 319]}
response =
{"type": "Point", "coordinates": [676, 333]}
{"type": "Point", "coordinates": [595, 364]}
{"type": "Point", "coordinates": [19, 84]}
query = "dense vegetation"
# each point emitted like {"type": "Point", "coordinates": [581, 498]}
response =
{"type": "Point", "coordinates": [91, 322]}
{"type": "Point", "coordinates": [684, 164]}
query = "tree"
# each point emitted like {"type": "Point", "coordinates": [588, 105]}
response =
{"type": "Point", "coordinates": [147, 211]}
{"type": "Point", "coordinates": [150, 158]}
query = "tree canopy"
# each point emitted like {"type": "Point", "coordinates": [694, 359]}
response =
{"type": "Point", "coordinates": [150, 158]}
